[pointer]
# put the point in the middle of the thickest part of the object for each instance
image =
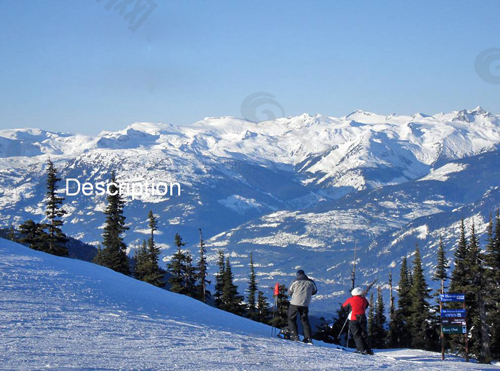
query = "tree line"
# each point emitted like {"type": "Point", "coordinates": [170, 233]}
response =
{"type": "Point", "coordinates": [415, 321]}
{"type": "Point", "coordinates": [182, 276]}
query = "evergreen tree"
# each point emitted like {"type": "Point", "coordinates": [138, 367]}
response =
{"type": "Point", "coordinates": [459, 274]}
{"type": "Point", "coordinates": [459, 280]}
{"type": "Point", "coordinates": [280, 312]}
{"type": "Point", "coordinates": [56, 239]}
{"type": "Point", "coordinates": [98, 257]}
{"type": "Point", "coordinates": [262, 314]}
{"type": "Point", "coordinates": [324, 332]}
{"type": "Point", "coordinates": [492, 283]}
{"type": "Point", "coordinates": [404, 300]}
{"type": "Point", "coordinates": [153, 274]}
{"type": "Point", "coordinates": [219, 278]}
{"type": "Point", "coordinates": [177, 268]}
{"type": "Point", "coordinates": [190, 276]}
{"type": "Point", "coordinates": [401, 322]}
{"type": "Point", "coordinates": [12, 233]}
{"type": "Point", "coordinates": [252, 291]}
{"type": "Point", "coordinates": [338, 326]}
{"type": "Point", "coordinates": [33, 235]}
{"type": "Point", "coordinates": [419, 307]}
{"type": "Point", "coordinates": [371, 315]}
{"type": "Point", "coordinates": [231, 301]}
{"type": "Point", "coordinates": [202, 272]}
{"type": "Point", "coordinates": [378, 333]}
{"type": "Point", "coordinates": [492, 250]}
{"type": "Point", "coordinates": [114, 253]}
{"type": "Point", "coordinates": [442, 266]}
{"type": "Point", "coordinates": [441, 275]}
{"type": "Point", "coordinates": [142, 262]}
{"type": "Point", "coordinates": [392, 340]}
{"type": "Point", "coordinates": [479, 338]}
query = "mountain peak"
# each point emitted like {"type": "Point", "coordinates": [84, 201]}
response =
{"type": "Point", "coordinates": [479, 110]}
{"type": "Point", "coordinates": [360, 112]}
{"type": "Point", "coordinates": [470, 115]}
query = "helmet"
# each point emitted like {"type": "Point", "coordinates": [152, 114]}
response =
{"type": "Point", "coordinates": [357, 292]}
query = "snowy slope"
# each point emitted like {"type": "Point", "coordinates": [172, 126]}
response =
{"type": "Point", "coordinates": [65, 314]}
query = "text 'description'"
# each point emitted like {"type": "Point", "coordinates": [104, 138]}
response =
{"type": "Point", "coordinates": [135, 189]}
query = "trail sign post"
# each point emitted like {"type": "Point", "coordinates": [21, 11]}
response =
{"type": "Point", "coordinates": [453, 321]}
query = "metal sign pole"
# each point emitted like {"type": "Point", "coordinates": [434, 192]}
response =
{"type": "Point", "coordinates": [466, 340]}
{"type": "Point", "coordinates": [442, 335]}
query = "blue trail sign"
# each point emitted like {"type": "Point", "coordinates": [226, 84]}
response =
{"type": "Point", "coordinates": [448, 298]}
{"type": "Point", "coordinates": [453, 313]}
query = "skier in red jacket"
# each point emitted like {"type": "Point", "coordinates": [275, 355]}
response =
{"type": "Point", "coordinates": [357, 305]}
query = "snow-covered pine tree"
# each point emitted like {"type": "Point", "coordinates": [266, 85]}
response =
{"type": "Point", "coordinates": [219, 278]}
{"type": "Point", "coordinates": [114, 254]}
{"type": "Point", "coordinates": [252, 291]}
{"type": "Point", "coordinates": [232, 301]}
{"type": "Point", "coordinates": [55, 238]}
{"type": "Point", "coordinates": [419, 307]}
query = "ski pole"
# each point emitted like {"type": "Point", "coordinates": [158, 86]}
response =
{"type": "Point", "coordinates": [343, 327]}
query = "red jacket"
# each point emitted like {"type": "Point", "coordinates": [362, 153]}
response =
{"type": "Point", "coordinates": [357, 305]}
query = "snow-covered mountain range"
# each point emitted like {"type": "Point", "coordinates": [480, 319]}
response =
{"type": "Point", "coordinates": [299, 192]}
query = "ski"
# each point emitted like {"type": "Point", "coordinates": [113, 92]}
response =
{"type": "Point", "coordinates": [368, 288]}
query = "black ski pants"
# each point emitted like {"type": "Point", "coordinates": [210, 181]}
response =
{"type": "Point", "coordinates": [360, 334]}
{"type": "Point", "coordinates": [303, 312]}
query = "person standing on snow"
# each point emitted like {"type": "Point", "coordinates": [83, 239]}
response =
{"type": "Point", "coordinates": [357, 305]}
{"type": "Point", "coordinates": [301, 290]}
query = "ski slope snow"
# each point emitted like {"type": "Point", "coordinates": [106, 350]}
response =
{"type": "Point", "coordinates": [64, 314]}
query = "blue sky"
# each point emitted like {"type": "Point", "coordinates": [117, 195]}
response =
{"type": "Point", "coordinates": [75, 66]}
